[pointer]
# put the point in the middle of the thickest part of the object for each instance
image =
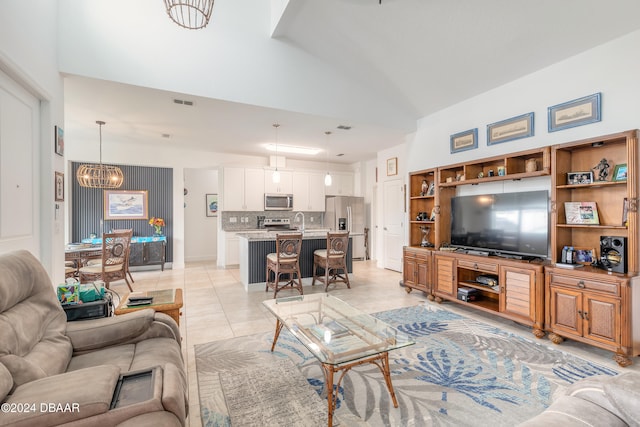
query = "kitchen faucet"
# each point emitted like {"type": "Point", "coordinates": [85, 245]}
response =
{"type": "Point", "coordinates": [295, 219]}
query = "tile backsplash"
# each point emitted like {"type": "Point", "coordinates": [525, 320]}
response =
{"type": "Point", "coordinates": [243, 220]}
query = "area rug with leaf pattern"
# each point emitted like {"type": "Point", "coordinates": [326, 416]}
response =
{"type": "Point", "coordinates": [460, 372]}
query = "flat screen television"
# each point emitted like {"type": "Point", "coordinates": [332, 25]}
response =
{"type": "Point", "coordinates": [502, 224]}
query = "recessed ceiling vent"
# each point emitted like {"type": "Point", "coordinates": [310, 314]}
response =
{"type": "Point", "coordinates": [344, 127]}
{"type": "Point", "coordinates": [166, 135]}
{"type": "Point", "coordinates": [183, 102]}
{"type": "Point", "coordinates": [340, 155]}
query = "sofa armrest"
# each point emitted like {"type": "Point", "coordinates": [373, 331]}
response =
{"type": "Point", "coordinates": [88, 335]}
{"type": "Point", "coordinates": [62, 398]}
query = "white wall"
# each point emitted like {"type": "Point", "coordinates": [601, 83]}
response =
{"type": "Point", "coordinates": [28, 55]}
{"type": "Point", "coordinates": [200, 231]}
{"type": "Point", "coordinates": [611, 68]}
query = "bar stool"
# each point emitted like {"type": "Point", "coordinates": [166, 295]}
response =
{"type": "Point", "coordinates": [286, 260]}
{"type": "Point", "coordinates": [332, 260]}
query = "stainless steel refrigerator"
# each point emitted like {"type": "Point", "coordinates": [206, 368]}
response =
{"type": "Point", "coordinates": [347, 213]}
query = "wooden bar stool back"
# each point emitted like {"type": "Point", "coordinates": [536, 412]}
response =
{"type": "Point", "coordinates": [285, 261]}
{"type": "Point", "coordinates": [333, 260]}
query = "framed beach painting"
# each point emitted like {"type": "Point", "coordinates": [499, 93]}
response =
{"type": "Point", "coordinates": [578, 112]}
{"type": "Point", "coordinates": [510, 129]}
{"type": "Point", "coordinates": [126, 204]}
{"type": "Point", "coordinates": [466, 140]}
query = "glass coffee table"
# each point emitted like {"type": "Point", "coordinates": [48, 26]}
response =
{"type": "Point", "coordinates": [339, 335]}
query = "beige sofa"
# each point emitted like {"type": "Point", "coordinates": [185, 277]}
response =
{"type": "Point", "coordinates": [58, 373]}
{"type": "Point", "coordinates": [595, 401]}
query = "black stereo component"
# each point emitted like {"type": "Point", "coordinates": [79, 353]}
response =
{"type": "Point", "coordinates": [613, 253]}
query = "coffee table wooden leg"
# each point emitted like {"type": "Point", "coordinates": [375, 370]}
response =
{"type": "Point", "coordinates": [331, 398]}
{"type": "Point", "coordinates": [387, 378]}
{"type": "Point", "coordinates": [279, 326]}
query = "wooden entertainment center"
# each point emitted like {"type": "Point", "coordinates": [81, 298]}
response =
{"type": "Point", "coordinates": [589, 304]}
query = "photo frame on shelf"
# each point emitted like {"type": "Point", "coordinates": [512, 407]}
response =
{"type": "Point", "coordinates": [59, 187]}
{"type": "Point", "coordinates": [581, 213]}
{"type": "Point", "coordinates": [211, 201]}
{"type": "Point", "coordinates": [585, 256]}
{"type": "Point", "coordinates": [463, 141]}
{"type": "Point", "coordinates": [392, 166]}
{"type": "Point", "coordinates": [619, 173]}
{"type": "Point", "coordinates": [510, 129]}
{"type": "Point", "coordinates": [432, 188]}
{"type": "Point", "coordinates": [58, 138]}
{"type": "Point", "coordinates": [577, 112]}
{"type": "Point", "coordinates": [625, 212]}
{"type": "Point", "coordinates": [126, 204]}
{"type": "Point", "coordinates": [584, 177]}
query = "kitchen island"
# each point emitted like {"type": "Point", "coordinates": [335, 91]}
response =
{"type": "Point", "coordinates": [254, 247]}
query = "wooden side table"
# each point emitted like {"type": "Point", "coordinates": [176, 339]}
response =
{"type": "Point", "coordinates": [167, 301]}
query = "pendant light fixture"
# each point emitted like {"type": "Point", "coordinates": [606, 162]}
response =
{"type": "Point", "coordinates": [99, 176]}
{"type": "Point", "coordinates": [191, 14]}
{"type": "Point", "coordinates": [327, 177]}
{"type": "Point", "coordinates": [276, 174]}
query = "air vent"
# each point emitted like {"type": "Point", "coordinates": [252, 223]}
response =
{"type": "Point", "coordinates": [344, 127]}
{"type": "Point", "coordinates": [183, 102]}
{"type": "Point", "coordinates": [340, 155]}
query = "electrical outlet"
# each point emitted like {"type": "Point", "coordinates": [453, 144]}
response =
{"type": "Point", "coordinates": [311, 219]}
{"type": "Point", "coordinates": [233, 219]}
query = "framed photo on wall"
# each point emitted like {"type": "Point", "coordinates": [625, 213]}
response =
{"type": "Point", "coordinates": [578, 112]}
{"type": "Point", "coordinates": [211, 200]}
{"type": "Point", "coordinates": [510, 129]}
{"type": "Point", "coordinates": [59, 187]}
{"type": "Point", "coordinates": [59, 140]}
{"type": "Point", "coordinates": [466, 140]}
{"type": "Point", "coordinates": [126, 204]}
{"type": "Point", "coordinates": [392, 166]}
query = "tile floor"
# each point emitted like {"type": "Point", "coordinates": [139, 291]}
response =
{"type": "Point", "coordinates": [217, 307]}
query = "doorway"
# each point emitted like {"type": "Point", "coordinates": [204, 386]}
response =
{"type": "Point", "coordinates": [393, 224]}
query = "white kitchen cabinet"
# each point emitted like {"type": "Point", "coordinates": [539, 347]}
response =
{"type": "Point", "coordinates": [243, 189]}
{"type": "Point", "coordinates": [285, 186]}
{"type": "Point", "coordinates": [342, 184]}
{"type": "Point", "coordinates": [232, 249]}
{"type": "Point", "coordinates": [308, 191]}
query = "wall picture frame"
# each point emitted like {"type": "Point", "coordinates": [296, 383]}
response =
{"type": "Point", "coordinates": [510, 129]}
{"type": "Point", "coordinates": [59, 186]}
{"type": "Point", "coordinates": [619, 173]}
{"type": "Point", "coordinates": [462, 141]}
{"type": "Point", "coordinates": [211, 202]}
{"type": "Point", "coordinates": [577, 112]}
{"type": "Point", "coordinates": [392, 166]}
{"type": "Point", "coordinates": [58, 140]}
{"type": "Point", "coordinates": [126, 204]}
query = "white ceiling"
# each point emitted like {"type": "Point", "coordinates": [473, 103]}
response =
{"type": "Point", "coordinates": [417, 55]}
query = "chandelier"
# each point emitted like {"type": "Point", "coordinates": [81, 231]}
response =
{"type": "Point", "coordinates": [99, 176]}
{"type": "Point", "coordinates": [191, 14]}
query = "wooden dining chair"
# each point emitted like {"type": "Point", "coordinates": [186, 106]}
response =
{"type": "Point", "coordinates": [332, 260]}
{"type": "Point", "coordinates": [128, 250]}
{"type": "Point", "coordinates": [115, 249]}
{"type": "Point", "coordinates": [285, 261]}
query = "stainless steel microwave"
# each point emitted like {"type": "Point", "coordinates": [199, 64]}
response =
{"type": "Point", "coordinates": [278, 202]}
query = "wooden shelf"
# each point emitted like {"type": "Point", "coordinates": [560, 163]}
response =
{"type": "Point", "coordinates": [600, 226]}
{"type": "Point", "coordinates": [479, 287]}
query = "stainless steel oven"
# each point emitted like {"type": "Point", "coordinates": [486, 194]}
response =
{"type": "Point", "coordinates": [278, 202]}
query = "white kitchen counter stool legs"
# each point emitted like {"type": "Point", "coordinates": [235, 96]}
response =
{"type": "Point", "coordinates": [285, 261]}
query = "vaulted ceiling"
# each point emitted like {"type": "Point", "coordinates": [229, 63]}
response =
{"type": "Point", "coordinates": [375, 67]}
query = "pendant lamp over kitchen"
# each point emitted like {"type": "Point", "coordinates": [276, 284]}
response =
{"type": "Point", "coordinates": [276, 174]}
{"type": "Point", "coordinates": [191, 14]}
{"type": "Point", "coordinates": [99, 176]}
{"type": "Point", "coordinates": [327, 177]}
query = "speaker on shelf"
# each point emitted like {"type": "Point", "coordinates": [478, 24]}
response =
{"type": "Point", "coordinates": [613, 253]}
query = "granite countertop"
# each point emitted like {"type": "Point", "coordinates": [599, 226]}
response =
{"type": "Point", "coordinates": [261, 235]}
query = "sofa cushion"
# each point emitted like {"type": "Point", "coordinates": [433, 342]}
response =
{"type": "Point", "coordinates": [624, 393]}
{"type": "Point", "coordinates": [120, 356]}
{"type": "Point", "coordinates": [6, 382]}
{"type": "Point", "coordinates": [33, 343]}
{"type": "Point", "coordinates": [68, 390]}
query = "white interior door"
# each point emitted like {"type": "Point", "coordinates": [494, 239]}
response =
{"type": "Point", "coordinates": [393, 224]}
{"type": "Point", "coordinates": [19, 118]}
